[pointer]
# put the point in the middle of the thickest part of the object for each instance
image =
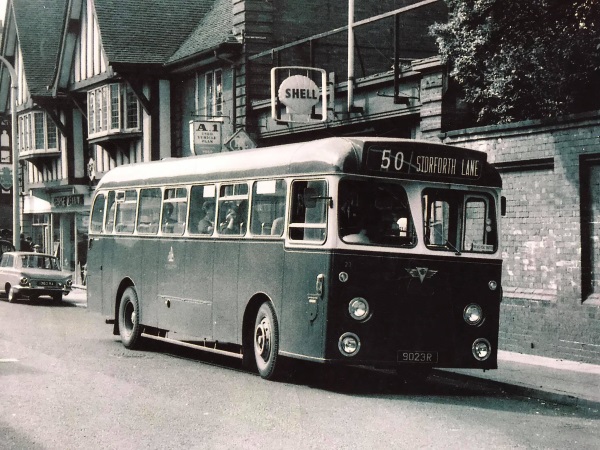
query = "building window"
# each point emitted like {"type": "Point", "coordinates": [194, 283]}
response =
{"type": "Point", "coordinates": [212, 93]}
{"type": "Point", "coordinates": [589, 166]}
{"type": "Point", "coordinates": [112, 108]}
{"type": "Point", "coordinates": [37, 133]}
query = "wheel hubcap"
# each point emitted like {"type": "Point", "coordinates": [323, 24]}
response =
{"type": "Point", "coordinates": [129, 317]}
{"type": "Point", "coordinates": [262, 339]}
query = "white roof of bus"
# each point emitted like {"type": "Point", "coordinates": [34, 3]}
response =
{"type": "Point", "coordinates": [324, 156]}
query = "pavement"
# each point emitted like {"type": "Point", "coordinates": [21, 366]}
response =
{"type": "Point", "coordinates": [553, 380]}
{"type": "Point", "coordinates": [558, 381]}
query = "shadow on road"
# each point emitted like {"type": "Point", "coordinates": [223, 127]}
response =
{"type": "Point", "coordinates": [39, 301]}
{"type": "Point", "coordinates": [437, 388]}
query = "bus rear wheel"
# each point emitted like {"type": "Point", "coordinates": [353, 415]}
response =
{"type": "Point", "coordinates": [129, 319]}
{"type": "Point", "coordinates": [266, 341]}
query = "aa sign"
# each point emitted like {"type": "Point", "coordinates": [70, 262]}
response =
{"type": "Point", "coordinates": [205, 136]}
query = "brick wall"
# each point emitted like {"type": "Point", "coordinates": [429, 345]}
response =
{"type": "Point", "coordinates": [551, 302]}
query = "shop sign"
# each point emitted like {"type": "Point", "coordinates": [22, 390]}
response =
{"type": "Point", "coordinates": [299, 93]}
{"type": "Point", "coordinates": [205, 136]}
{"type": "Point", "coordinates": [300, 97]}
{"type": "Point", "coordinates": [66, 201]}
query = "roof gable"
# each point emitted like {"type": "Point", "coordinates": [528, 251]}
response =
{"type": "Point", "coordinates": [39, 25]}
{"type": "Point", "coordinates": [214, 29]}
{"type": "Point", "coordinates": [147, 31]}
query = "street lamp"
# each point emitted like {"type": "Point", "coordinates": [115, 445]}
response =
{"type": "Point", "coordinates": [15, 153]}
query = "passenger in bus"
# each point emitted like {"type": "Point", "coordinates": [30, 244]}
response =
{"type": "Point", "coordinates": [168, 220]}
{"type": "Point", "coordinates": [234, 219]}
{"type": "Point", "coordinates": [207, 223]}
{"type": "Point", "coordinates": [277, 227]}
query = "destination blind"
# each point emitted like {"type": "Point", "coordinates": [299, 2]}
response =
{"type": "Point", "coordinates": [433, 161]}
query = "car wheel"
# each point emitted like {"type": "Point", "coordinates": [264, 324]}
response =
{"type": "Point", "coordinates": [129, 319]}
{"type": "Point", "coordinates": [266, 341]}
{"type": "Point", "coordinates": [12, 295]}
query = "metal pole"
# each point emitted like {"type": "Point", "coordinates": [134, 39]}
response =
{"type": "Point", "coordinates": [350, 55]}
{"type": "Point", "coordinates": [15, 154]}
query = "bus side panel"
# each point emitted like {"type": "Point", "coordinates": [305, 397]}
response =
{"type": "Point", "coordinates": [226, 274]}
{"type": "Point", "coordinates": [177, 312]}
{"type": "Point", "coordinates": [94, 280]}
{"type": "Point", "coordinates": [198, 286]}
{"type": "Point", "coordinates": [129, 265]}
{"type": "Point", "coordinates": [109, 266]}
{"type": "Point", "coordinates": [303, 317]}
{"type": "Point", "coordinates": [261, 270]}
{"type": "Point", "coordinates": [148, 281]}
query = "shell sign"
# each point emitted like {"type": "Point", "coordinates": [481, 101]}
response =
{"type": "Point", "coordinates": [299, 98]}
{"type": "Point", "coordinates": [299, 93]}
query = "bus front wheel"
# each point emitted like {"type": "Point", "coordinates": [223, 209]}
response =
{"type": "Point", "coordinates": [266, 341]}
{"type": "Point", "coordinates": [129, 319]}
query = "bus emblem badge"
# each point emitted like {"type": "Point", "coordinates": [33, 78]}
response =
{"type": "Point", "coordinates": [421, 273]}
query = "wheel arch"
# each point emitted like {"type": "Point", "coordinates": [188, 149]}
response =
{"type": "Point", "coordinates": [250, 313]}
{"type": "Point", "coordinates": [125, 283]}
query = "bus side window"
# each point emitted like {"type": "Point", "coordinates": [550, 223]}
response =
{"type": "Point", "coordinates": [149, 211]}
{"type": "Point", "coordinates": [268, 207]}
{"type": "Point", "coordinates": [174, 213]}
{"type": "Point", "coordinates": [202, 210]}
{"type": "Point", "coordinates": [110, 216]}
{"type": "Point", "coordinates": [126, 207]}
{"type": "Point", "coordinates": [98, 214]}
{"type": "Point", "coordinates": [308, 222]}
{"type": "Point", "coordinates": [233, 209]}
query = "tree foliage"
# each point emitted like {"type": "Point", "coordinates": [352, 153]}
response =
{"type": "Point", "coordinates": [523, 59]}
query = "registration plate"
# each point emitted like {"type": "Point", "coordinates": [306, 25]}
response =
{"type": "Point", "coordinates": [46, 283]}
{"type": "Point", "coordinates": [405, 356]}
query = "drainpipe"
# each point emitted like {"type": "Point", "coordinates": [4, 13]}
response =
{"type": "Point", "coordinates": [350, 55]}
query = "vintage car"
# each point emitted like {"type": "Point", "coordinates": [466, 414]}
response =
{"type": "Point", "coordinates": [33, 275]}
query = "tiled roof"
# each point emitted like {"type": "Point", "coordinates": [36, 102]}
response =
{"type": "Point", "coordinates": [147, 31]}
{"type": "Point", "coordinates": [39, 26]}
{"type": "Point", "coordinates": [214, 29]}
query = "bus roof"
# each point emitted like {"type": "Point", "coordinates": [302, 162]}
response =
{"type": "Point", "coordinates": [324, 156]}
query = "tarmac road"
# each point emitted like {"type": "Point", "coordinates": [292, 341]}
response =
{"type": "Point", "coordinates": [67, 382]}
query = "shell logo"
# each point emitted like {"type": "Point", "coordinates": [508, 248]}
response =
{"type": "Point", "coordinates": [299, 93]}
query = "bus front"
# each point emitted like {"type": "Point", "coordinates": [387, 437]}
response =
{"type": "Point", "coordinates": [415, 279]}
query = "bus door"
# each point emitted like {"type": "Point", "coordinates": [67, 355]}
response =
{"type": "Point", "coordinates": [262, 257]}
{"type": "Point", "coordinates": [148, 224]}
{"type": "Point", "coordinates": [176, 312]}
{"type": "Point", "coordinates": [122, 244]}
{"type": "Point", "coordinates": [303, 316]}
{"type": "Point", "coordinates": [94, 262]}
{"type": "Point", "coordinates": [232, 224]}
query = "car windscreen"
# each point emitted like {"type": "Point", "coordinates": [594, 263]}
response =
{"type": "Point", "coordinates": [39, 262]}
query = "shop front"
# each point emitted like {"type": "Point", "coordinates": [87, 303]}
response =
{"type": "Point", "coordinates": [58, 224]}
